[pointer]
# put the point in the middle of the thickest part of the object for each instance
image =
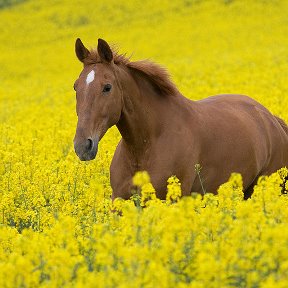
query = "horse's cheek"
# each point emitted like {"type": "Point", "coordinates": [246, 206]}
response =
{"type": "Point", "coordinates": [114, 111]}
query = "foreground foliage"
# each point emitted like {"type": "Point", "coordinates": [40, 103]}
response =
{"type": "Point", "coordinates": [57, 227]}
{"type": "Point", "coordinates": [215, 239]}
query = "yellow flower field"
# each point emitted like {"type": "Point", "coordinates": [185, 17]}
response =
{"type": "Point", "coordinates": [56, 224]}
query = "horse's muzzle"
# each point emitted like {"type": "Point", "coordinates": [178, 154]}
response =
{"type": "Point", "coordinates": [86, 149]}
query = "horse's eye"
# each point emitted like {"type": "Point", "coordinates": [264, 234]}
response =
{"type": "Point", "coordinates": [107, 88]}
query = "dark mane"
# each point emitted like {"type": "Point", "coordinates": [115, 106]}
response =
{"type": "Point", "coordinates": [155, 73]}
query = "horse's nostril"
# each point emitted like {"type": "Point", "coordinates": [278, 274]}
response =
{"type": "Point", "coordinates": [89, 144]}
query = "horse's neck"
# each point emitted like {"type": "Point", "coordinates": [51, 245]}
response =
{"type": "Point", "coordinates": [142, 113]}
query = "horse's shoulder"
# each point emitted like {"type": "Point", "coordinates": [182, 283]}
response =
{"type": "Point", "coordinates": [118, 152]}
{"type": "Point", "coordinates": [120, 167]}
{"type": "Point", "coordinates": [122, 156]}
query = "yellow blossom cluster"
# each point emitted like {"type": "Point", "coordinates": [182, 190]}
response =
{"type": "Point", "coordinates": [58, 226]}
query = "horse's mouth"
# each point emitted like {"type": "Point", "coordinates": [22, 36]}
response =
{"type": "Point", "coordinates": [87, 156]}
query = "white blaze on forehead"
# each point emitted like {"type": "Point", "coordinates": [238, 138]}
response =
{"type": "Point", "coordinates": [90, 77]}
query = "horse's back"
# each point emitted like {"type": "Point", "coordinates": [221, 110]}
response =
{"type": "Point", "coordinates": [234, 101]}
{"type": "Point", "coordinates": [252, 116]}
{"type": "Point", "coordinates": [239, 128]}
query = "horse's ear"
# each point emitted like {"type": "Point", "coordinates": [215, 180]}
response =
{"type": "Point", "coordinates": [81, 51]}
{"type": "Point", "coordinates": [104, 51]}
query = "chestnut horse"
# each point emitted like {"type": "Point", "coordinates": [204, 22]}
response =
{"type": "Point", "coordinates": [166, 134]}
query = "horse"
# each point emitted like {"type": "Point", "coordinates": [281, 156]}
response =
{"type": "Point", "coordinates": [165, 133]}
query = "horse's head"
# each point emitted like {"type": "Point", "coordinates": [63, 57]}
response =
{"type": "Point", "coordinates": [98, 97]}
